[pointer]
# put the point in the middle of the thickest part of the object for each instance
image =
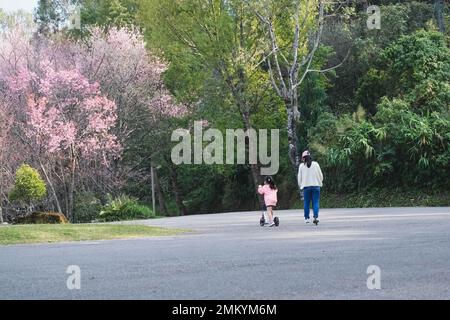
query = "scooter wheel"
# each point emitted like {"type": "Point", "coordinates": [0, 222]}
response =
{"type": "Point", "coordinates": [276, 221]}
{"type": "Point", "coordinates": [261, 222]}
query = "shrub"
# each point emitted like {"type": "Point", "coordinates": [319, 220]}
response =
{"type": "Point", "coordinates": [86, 207]}
{"type": "Point", "coordinates": [42, 218]}
{"type": "Point", "coordinates": [28, 187]}
{"type": "Point", "coordinates": [124, 208]}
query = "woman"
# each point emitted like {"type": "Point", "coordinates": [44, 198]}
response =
{"type": "Point", "coordinates": [310, 179]}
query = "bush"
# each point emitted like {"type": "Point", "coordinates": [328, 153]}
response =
{"type": "Point", "coordinates": [42, 218]}
{"type": "Point", "coordinates": [86, 207]}
{"type": "Point", "coordinates": [28, 186]}
{"type": "Point", "coordinates": [124, 208]}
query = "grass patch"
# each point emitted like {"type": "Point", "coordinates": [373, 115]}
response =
{"type": "Point", "coordinates": [19, 234]}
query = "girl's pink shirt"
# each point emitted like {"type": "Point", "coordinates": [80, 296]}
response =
{"type": "Point", "coordinates": [270, 196]}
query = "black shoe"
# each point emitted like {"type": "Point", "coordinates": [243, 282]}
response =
{"type": "Point", "coordinates": [316, 221]}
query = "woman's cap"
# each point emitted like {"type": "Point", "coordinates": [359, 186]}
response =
{"type": "Point", "coordinates": [306, 153]}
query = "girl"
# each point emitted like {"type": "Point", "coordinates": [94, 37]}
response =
{"type": "Point", "coordinates": [269, 190]}
{"type": "Point", "coordinates": [310, 179]}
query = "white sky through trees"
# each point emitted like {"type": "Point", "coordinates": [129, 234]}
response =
{"type": "Point", "coordinates": [13, 5]}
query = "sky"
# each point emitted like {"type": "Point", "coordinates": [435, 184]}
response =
{"type": "Point", "coordinates": [13, 5]}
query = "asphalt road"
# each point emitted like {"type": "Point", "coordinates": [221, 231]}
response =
{"type": "Point", "coordinates": [228, 256]}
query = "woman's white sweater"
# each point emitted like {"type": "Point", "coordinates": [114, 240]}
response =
{"type": "Point", "coordinates": [309, 177]}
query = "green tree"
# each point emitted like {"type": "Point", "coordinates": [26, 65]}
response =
{"type": "Point", "coordinates": [407, 141]}
{"type": "Point", "coordinates": [398, 19]}
{"type": "Point", "coordinates": [417, 68]}
{"type": "Point", "coordinates": [218, 43]}
{"type": "Point", "coordinates": [29, 187]}
{"type": "Point", "coordinates": [109, 13]}
{"type": "Point", "coordinates": [50, 15]}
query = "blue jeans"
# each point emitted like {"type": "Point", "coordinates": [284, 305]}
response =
{"type": "Point", "coordinates": [311, 193]}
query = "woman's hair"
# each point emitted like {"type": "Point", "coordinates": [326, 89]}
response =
{"type": "Point", "coordinates": [308, 160]}
{"type": "Point", "coordinates": [270, 182]}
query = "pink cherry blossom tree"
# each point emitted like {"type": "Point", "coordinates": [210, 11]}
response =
{"type": "Point", "coordinates": [69, 119]}
{"type": "Point", "coordinates": [145, 106]}
{"type": "Point", "coordinates": [128, 74]}
{"type": "Point", "coordinates": [77, 106]}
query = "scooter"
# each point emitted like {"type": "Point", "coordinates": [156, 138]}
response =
{"type": "Point", "coordinates": [265, 219]}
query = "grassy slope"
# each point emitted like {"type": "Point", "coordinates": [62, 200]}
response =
{"type": "Point", "coordinates": [77, 232]}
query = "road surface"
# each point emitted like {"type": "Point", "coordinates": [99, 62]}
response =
{"type": "Point", "coordinates": [228, 256]}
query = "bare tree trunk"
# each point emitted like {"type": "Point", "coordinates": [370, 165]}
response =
{"type": "Point", "coordinates": [439, 12]}
{"type": "Point", "coordinates": [71, 200]}
{"type": "Point", "coordinates": [175, 188]}
{"type": "Point", "coordinates": [58, 206]}
{"type": "Point", "coordinates": [65, 186]}
{"type": "Point", "coordinates": [294, 153]}
{"type": "Point", "coordinates": [257, 181]}
{"type": "Point", "coordinates": [254, 168]}
{"type": "Point", "coordinates": [71, 192]}
{"type": "Point", "coordinates": [160, 195]}
{"type": "Point", "coordinates": [1, 209]}
{"type": "Point", "coordinates": [1, 202]}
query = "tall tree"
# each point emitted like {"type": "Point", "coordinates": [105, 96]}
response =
{"type": "Point", "coordinates": [109, 13]}
{"type": "Point", "coordinates": [222, 37]}
{"type": "Point", "coordinates": [145, 107]}
{"type": "Point", "coordinates": [293, 34]}
{"type": "Point", "coordinates": [50, 15]}
{"type": "Point", "coordinates": [69, 120]}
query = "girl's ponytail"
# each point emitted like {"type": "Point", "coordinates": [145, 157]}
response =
{"type": "Point", "coordinates": [270, 182]}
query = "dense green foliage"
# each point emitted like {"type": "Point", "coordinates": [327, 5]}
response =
{"type": "Point", "coordinates": [87, 207]}
{"type": "Point", "coordinates": [29, 186]}
{"type": "Point", "coordinates": [124, 208]}
{"type": "Point", "coordinates": [406, 142]}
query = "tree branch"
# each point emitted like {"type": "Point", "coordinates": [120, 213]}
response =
{"type": "Point", "coordinates": [310, 56]}
{"type": "Point", "coordinates": [331, 68]}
